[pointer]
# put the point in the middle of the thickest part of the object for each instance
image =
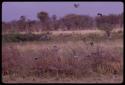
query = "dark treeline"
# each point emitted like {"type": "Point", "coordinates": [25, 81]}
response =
{"type": "Point", "coordinates": [68, 22]}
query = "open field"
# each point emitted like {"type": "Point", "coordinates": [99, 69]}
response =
{"type": "Point", "coordinates": [62, 36]}
{"type": "Point", "coordinates": [75, 31]}
{"type": "Point", "coordinates": [74, 42]}
{"type": "Point", "coordinates": [81, 57]}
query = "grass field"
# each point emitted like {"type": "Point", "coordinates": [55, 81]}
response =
{"type": "Point", "coordinates": [68, 57]}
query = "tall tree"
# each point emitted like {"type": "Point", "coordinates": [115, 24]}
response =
{"type": "Point", "coordinates": [55, 22]}
{"type": "Point", "coordinates": [44, 18]}
{"type": "Point", "coordinates": [22, 23]}
{"type": "Point", "coordinates": [105, 23]}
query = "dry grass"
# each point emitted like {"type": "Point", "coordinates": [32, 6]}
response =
{"type": "Point", "coordinates": [94, 79]}
{"type": "Point", "coordinates": [75, 32]}
{"type": "Point", "coordinates": [78, 61]}
{"type": "Point", "coordinates": [61, 60]}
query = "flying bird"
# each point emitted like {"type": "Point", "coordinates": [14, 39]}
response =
{"type": "Point", "coordinates": [99, 14]}
{"type": "Point", "coordinates": [76, 5]}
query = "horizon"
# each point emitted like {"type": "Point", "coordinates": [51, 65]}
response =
{"type": "Point", "coordinates": [13, 10]}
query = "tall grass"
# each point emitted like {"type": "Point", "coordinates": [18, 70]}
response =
{"type": "Point", "coordinates": [67, 59]}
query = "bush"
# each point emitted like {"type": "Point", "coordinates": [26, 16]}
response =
{"type": "Point", "coordinates": [25, 37]}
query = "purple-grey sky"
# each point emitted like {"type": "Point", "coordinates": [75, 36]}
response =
{"type": "Point", "coordinates": [13, 10]}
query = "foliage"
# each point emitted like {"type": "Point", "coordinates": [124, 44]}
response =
{"type": "Point", "coordinates": [68, 22]}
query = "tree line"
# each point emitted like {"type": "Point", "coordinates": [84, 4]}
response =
{"type": "Point", "coordinates": [67, 22]}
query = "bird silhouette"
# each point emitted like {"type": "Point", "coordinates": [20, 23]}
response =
{"type": "Point", "coordinates": [99, 14]}
{"type": "Point", "coordinates": [76, 5]}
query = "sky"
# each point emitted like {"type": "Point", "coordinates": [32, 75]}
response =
{"type": "Point", "coordinates": [13, 10]}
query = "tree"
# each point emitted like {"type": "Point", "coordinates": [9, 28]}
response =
{"type": "Point", "coordinates": [14, 26]}
{"type": "Point", "coordinates": [105, 23]}
{"type": "Point", "coordinates": [4, 27]}
{"type": "Point", "coordinates": [75, 21]}
{"type": "Point", "coordinates": [44, 18]}
{"type": "Point", "coordinates": [22, 23]}
{"type": "Point", "coordinates": [85, 22]}
{"type": "Point", "coordinates": [121, 22]}
{"type": "Point", "coordinates": [55, 22]}
{"type": "Point", "coordinates": [70, 21]}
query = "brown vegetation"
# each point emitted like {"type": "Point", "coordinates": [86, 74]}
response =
{"type": "Point", "coordinates": [68, 22]}
{"type": "Point", "coordinates": [35, 49]}
{"type": "Point", "coordinates": [61, 60]}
